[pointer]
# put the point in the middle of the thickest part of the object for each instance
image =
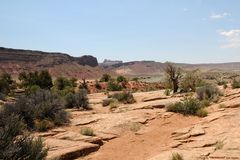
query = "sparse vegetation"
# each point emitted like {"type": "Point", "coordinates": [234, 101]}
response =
{"type": "Point", "coordinates": [121, 79]}
{"type": "Point", "coordinates": [42, 79]}
{"type": "Point", "coordinates": [98, 85]}
{"type": "Point", "coordinates": [83, 85]}
{"type": "Point", "coordinates": [167, 92]}
{"type": "Point", "coordinates": [87, 131]}
{"type": "Point", "coordinates": [219, 145]}
{"type": "Point", "coordinates": [63, 86]}
{"type": "Point", "coordinates": [114, 86]}
{"type": "Point", "coordinates": [105, 78]}
{"type": "Point", "coordinates": [135, 79]}
{"type": "Point", "coordinates": [235, 83]}
{"type": "Point", "coordinates": [15, 143]}
{"type": "Point", "coordinates": [77, 100]}
{"type": "Point", "coordinates": [107, 102]}
{"type": "Point", "coordinates": [190, 81]}
{"type": "Point", "coordinates": [177, 156]}
{"type": "Point", "coordinates": [81, 100]}
{"type": "Point", "coordinates": [188, 106]}
{"type": "Point", "coordinates": [135, 127]}
{"type": "Point", "coordinates": [202, 112]}
{"type": "Point", "coordinates": [113, 105]}
{"type": "Point", "coordinates": [124, 97]}
{"type": "Point", "coordinates": [6, 84]}
{"type": "Point", "coordinates": [208, 92]}
{"type": "Point", "coordinates": [37, 109]}
{"type": "Point", "coordinates": [222, 106]}
{"type": "Point", "coordinates": [225, 86]}
{"type": "Point", "coordinates": [173, 74]}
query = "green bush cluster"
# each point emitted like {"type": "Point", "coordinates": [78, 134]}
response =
{"type": "Point", "coordinates": [63, 86]}
{"type": "Point", "coordinates": [98, 85]}
{"type": "Point", "coordinates": [123, 97]}
{"type": "Point", "coordinates": [105, 78]}
{"type": "Point", "coordinates": [77, 100]}
{"type": "Point", "coordinates": [114, 86]}
{"type": "Point", "coordinates": [87, 131]}
{"type": "Point", "coordinates": [15, 143]}
{"type": "Point", "coordinates": [188, 106]}
{"type": "Point", "coordinates": [235, 83]}
{"type": "Point", "coordinates": [39, 111]}
{"type": "Point", "coordinates": [121, 79]}
{"type": "Point", "coordinates": [6, 85]}
{"type": "Point", "coordinates": [190, 81]}
{"type": "Point", "coordinates": [42, 79]}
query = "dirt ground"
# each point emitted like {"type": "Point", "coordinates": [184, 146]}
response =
{"type": "Point", "coordinates": [146, 131]}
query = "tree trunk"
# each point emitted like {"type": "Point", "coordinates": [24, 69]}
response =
{"type": "Point", "coordinates": [175, 86]}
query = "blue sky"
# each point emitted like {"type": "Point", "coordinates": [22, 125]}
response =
{"type": "Point", "coordinates": [191, 31]}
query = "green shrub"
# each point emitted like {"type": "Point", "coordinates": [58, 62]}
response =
{"type": "Point", "coordinates": [83, 85]}
{"type": "Point", "coordinates": [87, 131]}
{"type": "Point", "coordinates": [61, 83]}
{"type": "Point", "coordinates": [136, 79]}
{"type": "Point", "coordinates": [225, 86]}
{"type": "Point", "coordinates": [135, 127]}
{"type": "Point", "coordinates": [121, 79]}
{"type": "Point", "coordinates": [167, 92]}
{"type": "Point", "coordinates": [222, 106]}
{"type": "Point", "coordinates": [42, 79]}
{"type": "Point", "coordinates": [105, 78]}
{"type": "Point", "coordinates": [236, 83]}
{"type": "Point", "coordinates": [6, 84]}
{"type": "Point", "coordinates": [107, 102]}
{"type": "Point", "coordinates": [43, 125]}
{"type": "Point", "coordinates": [205, 103]}
{"type": "Point", "coordinates": [70, 100]}
{"type": "Point", "coordinates": [202, 112]}
{"type": "Point", "coordinates": [208, 92]}
{"type": "Point", "coordinates": [113, 105]}
{"type": "Point", "coordinates": [113, 86]}
{"type": "Point", "coordinates": [219, 145]}
{"type": "Point", "coordinates": [97, 85]}
{"type": "Point", "coordinates": [63, 92]}
{"type": "Point", "coordinates": [191, 81]}
{"type": "Point", "coordinates": [222, 82]}
{"type": "Point", "coordinates": [177, 156]}
{"type": "Point", "coordinates": [32, 89]}
{"type": "Point", "coordinates": [77, 100]}
{"type": "Point", "coordinates": [42, 105]}
{"type": "Point", "coordinates": [15, 143]}
{"type": "Point", "coordinates": [124, 97]}
{"type": "Point", "coordinates": [2, 96]}
{"type": "Point", "coordinates": [188, 106]}
{"type": "Point", "coordinates": [64, 86]}
{"type": "Point", "coordinates": [81, 99]}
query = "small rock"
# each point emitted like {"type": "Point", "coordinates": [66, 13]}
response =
{"type": "Point", "coordinates": [197, 130]}
{"type": "Point", "coordinates": [175, 144]}
{"type": "Point", "coordinates": [182, 137]}
{"type": "Point", "coordinates": [181, 131]}
{"type": "Point", "coordinates": [58, 130]}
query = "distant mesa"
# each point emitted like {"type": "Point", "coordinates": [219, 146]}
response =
{"type": "Point", "coordinates": [108, 62]}
{"type": "Point", "coordinates": [15, 61]}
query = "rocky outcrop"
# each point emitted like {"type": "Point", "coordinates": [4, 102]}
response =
{"type": "Point", "coordinates": [42, 58]}
{"type": "Point", "coordinates": [87, 60]}
{"type": "Point", "coordinates": [15, 61]}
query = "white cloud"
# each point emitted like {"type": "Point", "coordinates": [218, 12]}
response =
{"type": "Point", "coordinates": [219, 16]}
{"type": "Point", "coordinates": [232, 38]}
